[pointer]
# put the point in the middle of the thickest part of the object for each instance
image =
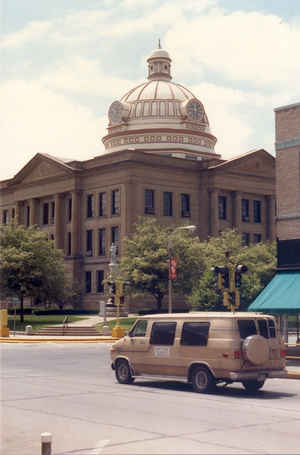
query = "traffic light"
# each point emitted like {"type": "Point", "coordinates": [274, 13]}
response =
{"type": "Point", "coordinates": [223, 276]}
{"type": "Point", "coordinates": [239, 270]}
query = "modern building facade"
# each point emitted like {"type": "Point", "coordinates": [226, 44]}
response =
{"type": "Point", "coordinates": [160, 161]}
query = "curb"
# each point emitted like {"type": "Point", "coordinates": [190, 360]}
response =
{"type": "Point", "coordinates": [292, 375]}
{"type": "Point", "coordinates": [58, 340]}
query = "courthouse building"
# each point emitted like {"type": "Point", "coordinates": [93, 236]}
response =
{"type": "Point", "coordinates": [159, 160]}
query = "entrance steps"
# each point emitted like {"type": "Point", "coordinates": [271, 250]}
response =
{"type": "Point", "coordinates": [68, 331]}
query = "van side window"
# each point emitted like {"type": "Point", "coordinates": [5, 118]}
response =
{"type": "Point", "coordinates": [263, 328]}
{"type": "Point", "coordinates": [139, 330]}
{"type": "Point", "coordinates": [195, 333]}
{"type": "Point", "coordinates": [272, 328]}
{"type": "Point", "coordinates": [163, 333]}
{"type": "Point", "coordinates": [246, 327]}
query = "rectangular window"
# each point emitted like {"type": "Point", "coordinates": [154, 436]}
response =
{"type": "Point", "coordinates": [46, 213]}
{"type": "Point", "coordinates": [257, 238]}
{"type": "Point", "coordinates": [13, 213]}
{"type": "Point", "coordinates": [5, 217]}
{"type": "Point", "coordinates": [257, 211]}
{"type": "Point", "coordinates": [115, 236]}
{"type": "Point", "coordinates": [88, 282]}
{"type": "Point", "coordinates": [89, 242]}
{"type": "Point", "coordinates": [246, 327]}
{"type": "Point", "coordinates": [89, 206]}
{"type": "Point", "coordinates": [246, 238]}
{"type": "Point", "coordinates": [163, 333]}
{"type": "Point", "coordinates": [185, 205]}
{"type": "Point", "coordinates": [100, 279]}
{"type": "Point", "coordinates": [149, 202]}
{"type": "Point", "coordinates": [168, 205]}
{"type": "Point", "coordinates": [52, 212]}
{"type": "Point", "coordinates": [69, 250]}
{"type": "Point", "coordinates": [27, 215]}
{"type": "Point", "coordinates": [102, 204]}
{"type": "Point", "coordinates": [69, 210]}
{"type": "Point", "coordinates": [115, 202]}
{"type": "Point", "coordinates": [245, 210]}
{"type": "Point", "coordinates": [222, 208]}
{"type": "Point", "coordinates": [102, 241]}
{"type": "Point", "coordinates": [195, 333]}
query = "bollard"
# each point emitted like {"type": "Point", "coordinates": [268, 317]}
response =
{"type": "Point", "coordinates": [46, 441]}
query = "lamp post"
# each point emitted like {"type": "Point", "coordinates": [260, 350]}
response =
{"type": "Point", "coordinates": [188, 228]}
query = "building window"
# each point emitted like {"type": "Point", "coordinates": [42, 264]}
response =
{"type": "Point", "coordinates": [69, 210]}
{"type": "Point", "coordinates": [115, 236]}
{"type": "Point", "coordinates": [5, 217]}
{"type": "Point", "coordinates": [149, 202]}
{"type": "Point", "coordinates": [100, 279]}
{"type": "Point", "coordinates": [222, 208]}
{"type": "Point", "coordinates": [168, 205]}
{"type": "Point", "coordinates": [246, 238]}
{"type": "Point", "coordinates": [52, 212]}
{"type": "Point", "coordinates": [69, 250]}
{"type": "Point", "coordinates": [88, 282]}
{"type": "Point", "coordinates": [256, 238]}
{"type": "Point", "coordinates": [46, 213]}
{"type": "Point", "coordinates": [257, 211]}
{"type": "Point", "coordinates": [102, 241]}
{"type": "Point", "coordinates": [245, 210]}
{"type": "Point", "coordinates": [27, 215]}
{"type": "Point", "coordinates": [185, 205]}
{"type": "Point", "coordinates": [13, 213]}
{"type": "Point", "coordinates": [102, 204]}
{"type": "Point", "coordinates": [89, 242]}
{"type": "Point", "coordinates": [89, 206]}
{"type": "Point", "coordinates": [115, 202]}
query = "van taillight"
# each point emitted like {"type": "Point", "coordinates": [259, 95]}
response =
{"type": "Point", "coordinates": [282, 352]}
{"type": "Point", "coordinates": [237, 355]}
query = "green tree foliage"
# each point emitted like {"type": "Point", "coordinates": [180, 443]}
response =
{"type": "Point", "coordinates": [260, 260]}
{"type": "Point", "coordinates": [146, 259]}
{"type": "Point", "coordinates": [30, 266]}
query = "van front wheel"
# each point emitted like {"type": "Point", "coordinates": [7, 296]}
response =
{"type": "Point", "coordinates": [123, 373]}
{"type": "Point", "coordinates": [202, 380]}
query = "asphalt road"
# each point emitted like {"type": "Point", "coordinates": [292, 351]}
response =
{"type": "Point", "coordinates": [70, 391]}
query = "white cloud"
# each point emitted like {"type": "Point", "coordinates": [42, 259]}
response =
{"type": "Point", "coordinates": [35, 119]}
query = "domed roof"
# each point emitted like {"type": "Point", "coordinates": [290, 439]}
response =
{"type": "Point", "coordinates": [159, 105]}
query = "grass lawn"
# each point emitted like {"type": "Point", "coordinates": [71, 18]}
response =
{"type": "Point", "coordinates": [125, 323]}
{"type": "Point", "coordinates": [39, 321]}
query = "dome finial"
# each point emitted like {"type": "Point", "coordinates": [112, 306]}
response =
{"type": "Point", "coordinates": [159, 45]}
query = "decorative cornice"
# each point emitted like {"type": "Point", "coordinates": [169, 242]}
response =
{"type": "Point", "coordinates": [292, 216]}
{"type": "Point", "coordinates": [287, 144]}
{"type": "Point", "coordinates": [288, 106]}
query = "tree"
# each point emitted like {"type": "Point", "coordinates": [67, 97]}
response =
{"type": "Point", "coordinates": [30, 266]}
{"type": "Point", "coordinates": [145, 262]}
{"type": "Point", "coordinates": [259, 258]}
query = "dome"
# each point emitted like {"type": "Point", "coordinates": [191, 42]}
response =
{"type": "Point", "coordinates": [155, 107]}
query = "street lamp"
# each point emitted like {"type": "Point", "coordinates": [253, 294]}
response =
{"type": "Point", "coordinates": [188, 228]}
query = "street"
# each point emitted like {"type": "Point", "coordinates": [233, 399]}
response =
{"type": "Point", "coordinates": [70, 391]}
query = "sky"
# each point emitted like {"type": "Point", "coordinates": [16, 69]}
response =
{"type": "Point", "coordinates": [63, 62]}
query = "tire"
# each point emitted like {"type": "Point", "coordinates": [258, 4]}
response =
{"type": "Point", "coordinates": [253, 386]}
{"type": "Point", "coordinates": [202, 380]}
{"type": "Point", "coordinates": [123, 373]}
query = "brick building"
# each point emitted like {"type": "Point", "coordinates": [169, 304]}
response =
{"type": "Point", "coordinates": [159, 161]}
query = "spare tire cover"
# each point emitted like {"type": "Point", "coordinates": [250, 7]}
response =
{"type": "Point", "coordinates": [256, 349]}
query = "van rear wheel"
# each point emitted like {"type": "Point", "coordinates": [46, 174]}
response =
{"type": "Point", "coordinates": [123, 373]}
{"type": "Point", "coordinates": [253, 386]}
{"type": "Point", "coordinates": [202, 380]}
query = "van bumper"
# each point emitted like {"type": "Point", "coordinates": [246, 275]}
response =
{"type": "Point", "coordinates": [256, 375]}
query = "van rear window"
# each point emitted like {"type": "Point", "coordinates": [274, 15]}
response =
{"type": "Point", "coordinates": [246, 327]}
{"type": "Point", "coordinates": [263, 328]}
{"type": "Point", "coordinates": [195, 333]}
{"type": "Point", "coordinates": [163, 333]}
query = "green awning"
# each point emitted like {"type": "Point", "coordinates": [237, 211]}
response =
{"type": "Point", "coordinates": [281, 295]}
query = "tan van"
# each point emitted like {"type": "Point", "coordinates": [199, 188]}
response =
{"type": "Point", "coordinates": [204, 348]}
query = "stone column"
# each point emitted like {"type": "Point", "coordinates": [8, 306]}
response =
{"type": "Point", "coordinates": [214, 212]}
{"type": "Point", "coordinates": [33, 218]}
{"type": "Point", "coordinates": [19, 212]}
{"type": "Point", "coordinates": [236, 210]}
{"type": "Point", "coordinates": [59, 221]}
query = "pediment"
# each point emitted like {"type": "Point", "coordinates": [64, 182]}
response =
{"type": "Point", "coordinates": [256, 163]}
{"type": "Point", "coordinates": [42, 167]}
